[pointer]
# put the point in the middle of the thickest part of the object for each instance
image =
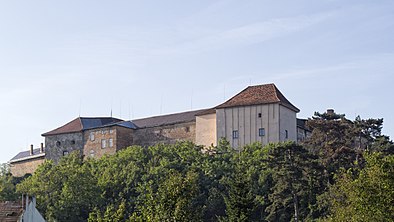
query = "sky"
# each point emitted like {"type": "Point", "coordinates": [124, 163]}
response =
{"type": "Point", "coordinates": [64, 59]}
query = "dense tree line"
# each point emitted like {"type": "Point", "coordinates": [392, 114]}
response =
{"type": "Point", "coordinates": [343, 172]}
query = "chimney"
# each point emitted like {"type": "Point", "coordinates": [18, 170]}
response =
{"type": "Point", "coordinates": [330, 111]}
{"type": "Point", "coordinates": [31, 149]}
{"type": "Point", "coordinates": [42, 148]}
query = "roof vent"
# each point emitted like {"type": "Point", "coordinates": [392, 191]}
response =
{"type": "Point", "coordinates": [31, 149]}
{"type": "Point", "coordinates": [42, 148]}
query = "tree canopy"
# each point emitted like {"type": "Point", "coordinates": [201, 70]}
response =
{"type": "Point", "coordinates": [343, 172]}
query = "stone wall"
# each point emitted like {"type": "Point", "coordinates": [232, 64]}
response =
{"type": "Point", "coordinates": [124, 137]}
{"type": "Point", "coordinates": [302, 134]}
{"type": "Point", "coordinates": [19, 169]}
{"type": "Point", "coordinates": [168, 134]}
{"type": "Point", "coordinates": [57, 146]}
{"type": "Point", "coordinates": [107, 140]}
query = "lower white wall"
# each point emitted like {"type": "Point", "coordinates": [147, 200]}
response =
{"type": "Point", "coordinates": [288, 121]}
{"type": "Point", "coordinates": [206, 130]}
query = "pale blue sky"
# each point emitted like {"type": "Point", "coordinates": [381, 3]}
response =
{"type": "Point", "coordinates": [59, 59]}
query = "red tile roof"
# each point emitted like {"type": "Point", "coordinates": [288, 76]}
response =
{"type": "Point", "coordinates": [82, 123]}
{"type": "Point", "coordinates": [71, 127]}
{"type": "Point", "coordinates": [257, 95]}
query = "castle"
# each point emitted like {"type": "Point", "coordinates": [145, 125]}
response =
{"type": "Point", "coordinates": [257, 114]}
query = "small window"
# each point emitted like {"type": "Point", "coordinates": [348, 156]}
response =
{"type": "Point", "coordinates": [91, 136]}
{"type": "Point", "coordinates": [111, 142]}
{"type": "Point", "coordinates": [259, 115]}
{"type": "Point", "coordinates": [65, 153]}
{"type": "Point", "coordinates": [286, 134]}
{"type": "Point", "coordinates": [58, 143]}
{"type": "Point", "coordinates": [72, 142]}
{"type": "Point", "coordinates": [103, 143]}
{"type": "Point", "coordinates": [261, 132]}
{"type": "Point", "coordinates": [235, 134]}
{"type": "Point", "coordinates": [187, 129]}
{"type": "Point", "coordinates": [92, 153]}
{"type": "Point", "coordinates": [111, 131]}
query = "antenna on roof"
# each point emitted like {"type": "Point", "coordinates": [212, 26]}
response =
{"type": "Point", "coordinates": [224, 92]}
{"type": "Point", "coordinates": [191, 101]}
{"type": "Point", "coordinates": [132, 112]}
{"type": "Point", "coordinates": [120, 109]}
{"type": "Point", "coordinates": [80, 104]}
{"type": "Point", "coordinates": [161, 104]}
{"type": "Point", "coordinates": [129, 110]}
{"type": "Point", "coordinates": [111, 106]}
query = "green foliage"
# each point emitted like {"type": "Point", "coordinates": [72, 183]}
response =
{"type": "Point", "coordinates": [7, 184]}
{"type": "Point", "coordinates": [182, 182]}
{"type": "Point", "coordinates": [63, 188]}
{"type": "Point", "coordinates": [333, 141]}
{"type": "Point", "coordinates": [367, 195]}
{"type": "Point", "coordinates": [296, 175]}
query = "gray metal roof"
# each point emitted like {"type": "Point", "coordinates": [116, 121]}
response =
{"type": "Point", "coordinates": [93, 122]}
{"type": "Point", "coordinates": [167, 119]}
{"type": "Point", "coordinates": [26, 155]}
{"type": "Point", "coordinates": [127, 124]}
{"type": "Point", "coordinates": [82, 123]}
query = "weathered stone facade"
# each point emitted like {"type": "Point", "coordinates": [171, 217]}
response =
{"type": "Point", "coordinates": [303, 132]}
{"type": "Point", "coordinates": [257, 114]}
{"type": "Point", "coordinates": [60, 145]}
{"type": "Point", "coordinates": [106, 140]}
{"type": "Point", "coordinates": [27, 166]}
{"type": "Point", "coordinates": [168, 134]}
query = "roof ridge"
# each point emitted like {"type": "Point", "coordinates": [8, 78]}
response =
{"type": "Point", "coordinates": [171, 114]}
{"type": "Point", "coordinates": [257, 95]}
{"type": "Point", "coordinates": [234, 96]}
{"type": "Point", "coordinates": [80, 122]}
{"type": "Point", "coordinates": [98, 117]}
{"type": "Point", "coordinates": [276, 90]}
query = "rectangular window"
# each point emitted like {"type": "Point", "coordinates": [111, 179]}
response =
{"type": "Point", "coordinates": [261, 132]}
{"type": "Point", "coordinates": [286, 134]}
{"type": "Point", "coordinates": [103, 143]}
{"type": "Point", "coordinates": [111, 131]}
{"type": "Point", "coordinates": [111, 142]}
{"type": "Point", "coordinates": [65, 153]}
{"type": "Point", "coordinates": [235, 134]}
{"type": "Point", "coordinates": [259, 115]}
{"type": "Point", "coordinates": [91, 136]}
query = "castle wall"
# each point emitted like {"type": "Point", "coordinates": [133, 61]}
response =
{"type": "Point", "coordinates": [106, 140]}
{"type": "Point", "coordinates": [19, 169]}
{"type": "Point", "coordinates": [288, 124]}
{"type": "Point", "coordinates": [168, 134]}
{"type": "Point", "coordinates": [206, 130]}
{"type": "Point", "coordinates": [247, 122]}
{"type": "Point", "coordinates": [57, 146]}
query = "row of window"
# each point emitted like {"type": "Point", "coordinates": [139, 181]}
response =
{"type": "Point", "coordinates": [236, 133]}
{"type": "Point", "coordinates": [58, 143]}
{"type": "Point", "coordinates": [104, 144]}
{"type": "Point", "coordinates": [91, 135]}
{"type": "Point", "coordinates": [261, 133]}
{"type": "Point", "coordinates": [109, 142]}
